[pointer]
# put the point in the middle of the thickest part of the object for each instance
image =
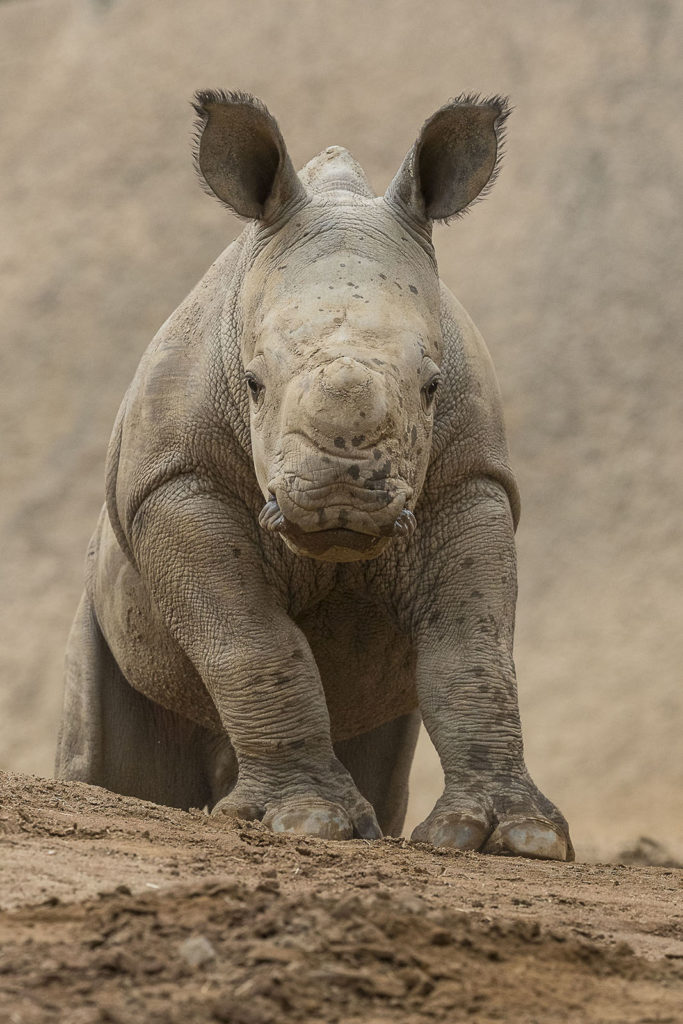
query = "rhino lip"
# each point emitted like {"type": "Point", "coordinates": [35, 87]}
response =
{"type": "Point", "coordinates": [273, 520]}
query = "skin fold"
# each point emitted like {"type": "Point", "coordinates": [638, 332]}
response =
{"type": "Point", "coordinates": [308, 537]}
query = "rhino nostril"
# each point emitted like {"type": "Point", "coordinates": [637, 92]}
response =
{"type": "Point", "coordinates": [271, 517]}
{"type": "Point", "coordinates": [405, 524]}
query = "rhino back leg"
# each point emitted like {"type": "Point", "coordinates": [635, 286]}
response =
{"type": "Point", "coordinates": [379, 762]}
{"type": "Point", "coordinates": [113, 736]}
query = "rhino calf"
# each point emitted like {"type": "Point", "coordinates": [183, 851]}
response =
{"type": "Point", "coordinates": [308, 536]}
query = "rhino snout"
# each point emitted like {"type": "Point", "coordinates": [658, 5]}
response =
{"type": "Point", "coordinates": [273, 520]}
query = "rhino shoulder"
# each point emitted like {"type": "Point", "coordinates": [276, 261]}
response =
{"type": "Point", "coordinates": [469, 429]}
{"type": "Point", "coordinates": [182, 413]}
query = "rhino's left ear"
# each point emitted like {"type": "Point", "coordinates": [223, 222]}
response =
{"type": "Point", "coordinates": [455, 159]}
{"type": "Point", "coordinates": [241, 156]}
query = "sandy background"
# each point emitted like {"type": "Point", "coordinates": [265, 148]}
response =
{"type": "Point", "coordinates": [571, 269]}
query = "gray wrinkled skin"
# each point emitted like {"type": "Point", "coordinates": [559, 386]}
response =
{"type": "Point", "coordinates": [308, 538]}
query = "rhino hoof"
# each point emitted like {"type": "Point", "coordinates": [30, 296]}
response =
{"type": "Point", "coordinates": [528, 837]}
{"type": "Point", "coordinates": [454, 831]}
{"type": "Point", "coordinates": [311, 816]}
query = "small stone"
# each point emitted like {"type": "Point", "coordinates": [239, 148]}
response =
{"type": "Point", "coordinates": [197, 951]}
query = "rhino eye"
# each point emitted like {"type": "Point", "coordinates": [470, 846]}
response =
{"type": "Point", "coordinates": [256, 388]}
{"type": "Point", "coordinates": [429, 392]}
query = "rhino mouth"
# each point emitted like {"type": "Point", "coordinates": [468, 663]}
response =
{"type": "Point", "coordinates": [336, 543]}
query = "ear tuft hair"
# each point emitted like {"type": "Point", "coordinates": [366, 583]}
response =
{"type": "Point", "coordinates": [454, 161]}
{"type": "Point", "coordinates": [240, 155]}
{"type": "Point", "coordinates": [504, 107]}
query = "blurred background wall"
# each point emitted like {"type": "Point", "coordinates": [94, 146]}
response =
{"type": "Point", "coordinates": [571, 269]}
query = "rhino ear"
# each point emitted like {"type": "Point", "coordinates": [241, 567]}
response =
{"type": "Point", "coordinates": [454, 161]}
{"type": "Point", "coordinates": [241, 156]}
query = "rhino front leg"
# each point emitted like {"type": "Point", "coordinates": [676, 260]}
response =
{"type": "Point", "coordinates": [467, 687]}
{"type": "Point", "coordinates": [197, 554]}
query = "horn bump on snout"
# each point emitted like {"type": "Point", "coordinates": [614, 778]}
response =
{"type": "Point", "coordinates": [338, 385]}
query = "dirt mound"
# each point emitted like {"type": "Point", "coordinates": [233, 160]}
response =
{"type": "Point", "coordinates": [118, 910]}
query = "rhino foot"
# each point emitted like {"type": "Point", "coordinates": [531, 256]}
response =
{"type": "Point", "coordinates": [504, 815]}
{"type": "Point", "coordinates": [326, 804]}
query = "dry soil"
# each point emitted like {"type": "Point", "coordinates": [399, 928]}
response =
{"type": "Point", "coordinates": [117, 910]}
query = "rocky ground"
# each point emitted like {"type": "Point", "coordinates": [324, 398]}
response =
{"type": "Point", "coordinates": [117, 910]}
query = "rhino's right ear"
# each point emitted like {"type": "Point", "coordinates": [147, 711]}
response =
{"type": "Point", "coordinates": [241, 156]}
{"type": "Point", "coordinates": [454, 161]}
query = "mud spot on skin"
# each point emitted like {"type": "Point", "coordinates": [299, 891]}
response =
{"type": "Point", "coordinates": [383, 471]}
{"type": "Point", "coordinates": [413, 289]}
{"type": "Point", "coordinates": [476, 594]}
{"type": "Point", "coordinates": [413, 434]}
{"type": "Point", "coordinates": [236, 552]}
{"type": "Point", "coordinates": [467, 563]}
{"type": "Point", "coordinates": [376, 454]}
{"type": "Point", "coordinates": [356, 296]}
{"type": "Point", "coordinates": [398, 286]}
{"type": "Point", "coordinates": [354, 472]}
{"type": "Point", "coordinates": [358, 440]}
{"type": "Point", "coordinates": [339, 442]}
{"type": "Point", "coordinates": [383, 276]}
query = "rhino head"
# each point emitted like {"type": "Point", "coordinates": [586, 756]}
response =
{"type": "Point", "coordinates": [341, 340]}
